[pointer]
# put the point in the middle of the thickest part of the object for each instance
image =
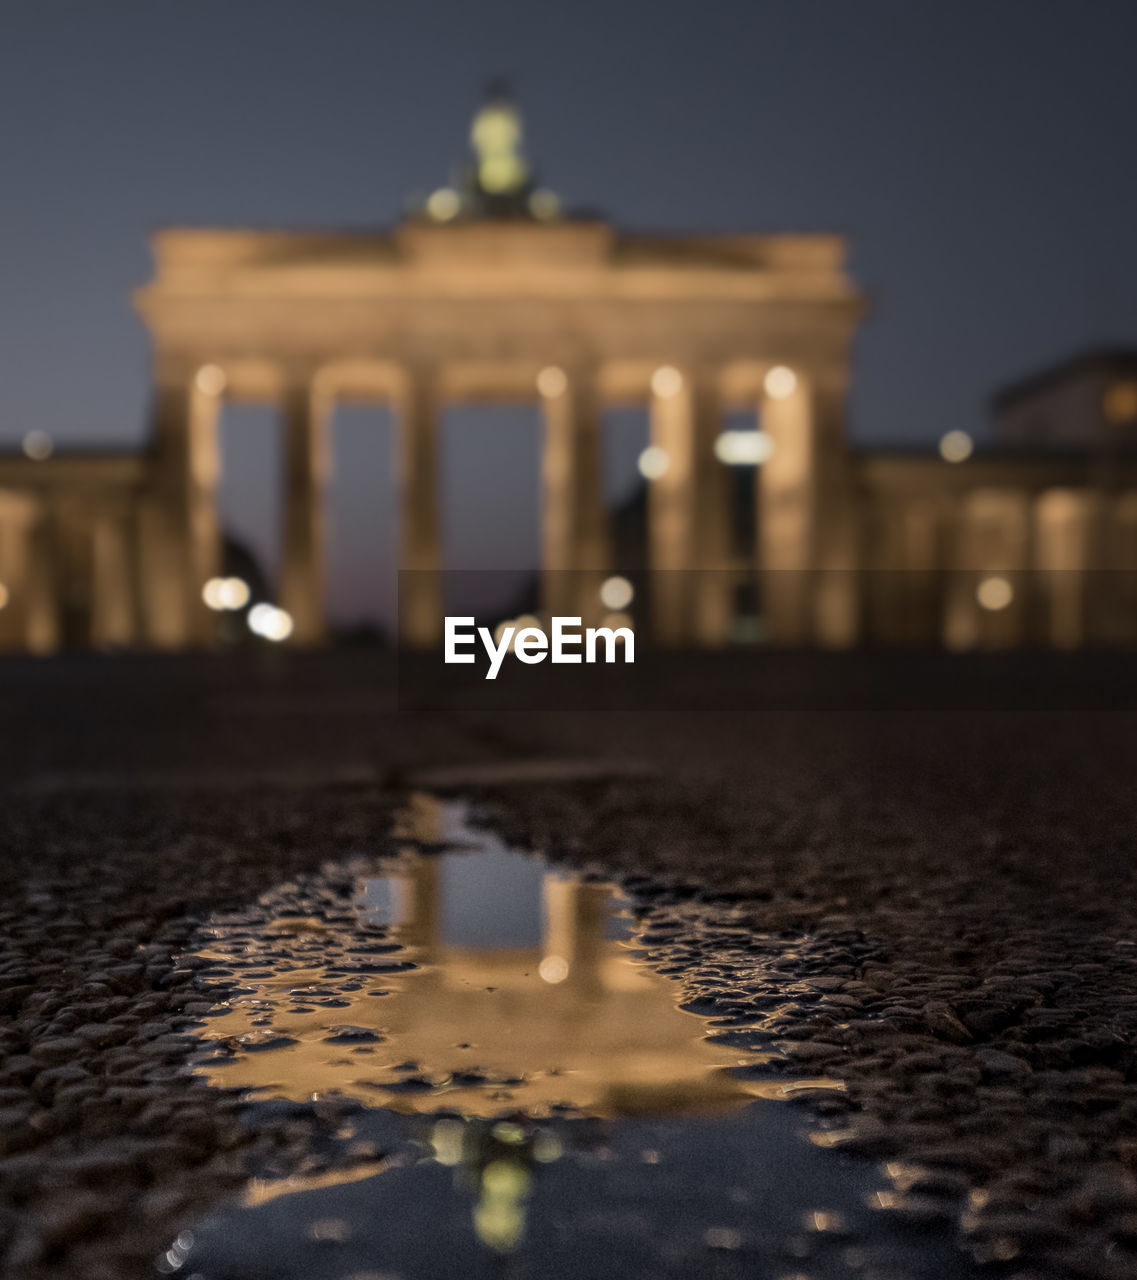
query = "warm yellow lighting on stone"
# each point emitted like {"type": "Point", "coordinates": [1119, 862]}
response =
{"type": "Point", "coordinates": [780, 382]}
{"type": "Point", "coordinates": [1120, 403]}
{"type": "Point", "coordinates": [545, 205]}
{"type": "Point", "coordinates": [744, 448]}
{"type": "Point", "coordinates": [552, 382]}
{"type": "Point", "coordinates": [553, 969]}
{"type": "Point", "coordinates": [956, 446]}
{"type": "Point", "coordinates": [210, 379]}
{"type": "Point", "coordinates": [38, 445]}
{"type": "Point", "coordinates": [994, 593]}
{"type": "Point", "coordinates": [4, 596]}
{"type": "Point", "coordinates": [666, 382]}
{"type": "Point", "coordinates": [616, 593]}
{"type": "Point", "coordinates": [653, 462]}
{"type": "Point", "coordinates": [444, 204]}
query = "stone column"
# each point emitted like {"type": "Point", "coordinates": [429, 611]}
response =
{"type": "Point", "coordinates": [18, 514]}
{"type": "Point", "coordinates": [787, 507]}
{"type": "Point", "coordinates": [43, 629]}
{"type": "Point", "coordinates": [574, 945]}
{"type": "Point", "coordinates": [688, 514]}
{"type": "Point", "coordinates": [1063, 536]}
{"type": "Point", "coordinates": [1122, 578]}
{"type": "Point", "coordinates": [307, 456]}
{"type": "Point", "coordinates": [182, 523]}
{"type": "Point", "coordinates": [832, 583]}
{"type": "Point", "coordinates": [112, 621]}
{"type": "Point", "coordinates": [573, 518]}
{"type": "Point", "coordinates": [420, 550]}
{"type": "Point", "coordinates": [986, 604]}
{"type": "Point", "coordinates": [420, 922]}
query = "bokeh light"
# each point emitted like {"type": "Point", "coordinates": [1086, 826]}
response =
{"type": "Point", "coordinates": [744, 448]}
{"type": "Point", "coordinates": [444, 204]}
{"type": "Point", "coordinates": [666, 382]}
{"type": "Point", "coordinates": [211, 379]}
{"type": "Point", "coordinates": [780, 382]}
{"type": "Point", "coordinates": [994, 593]}
{"type": "Point", "coordinates": [1120, 403]}
{"type": "Point", "coordinates": [653, 462]}
{"type": "Point", "coordinates": [225, 593]}
{"type": "Point", "coordinates": [545, 205]}
{"type": "Point", "coordinates": [616, 593]}
{"type": "Point", "coordinates": [269, 622]}
{"type": "Point", "coordinates": [38, 445]}
{"type": "Point", "coordinates": [956, 446]}
{"type": "Point", "coordinates": [552, 382]}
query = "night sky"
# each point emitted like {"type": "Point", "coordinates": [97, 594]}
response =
{"type": "Point", "coordinates": [980, 155]}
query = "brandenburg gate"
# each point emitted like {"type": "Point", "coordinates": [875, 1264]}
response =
{"type": "Point", "coordinates": [570, 313]}
{"type": "Point", "coordinates": [486, 291]}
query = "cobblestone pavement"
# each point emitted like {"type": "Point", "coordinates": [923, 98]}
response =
{"type": "Point", "coordinates": [959, 884]}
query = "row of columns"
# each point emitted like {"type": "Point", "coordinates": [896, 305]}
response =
{"type": "Point", "coordinates": [1057, 565]}
{"type": "Point", "coordinates": [688, 509]}
{"type": "Point", "coordinates": [67, 571]}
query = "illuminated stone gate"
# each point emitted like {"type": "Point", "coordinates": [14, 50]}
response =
{"type": "Point", "coordinates": [572, 314]}
{"type": "Point", "coordinates": [487, 293]}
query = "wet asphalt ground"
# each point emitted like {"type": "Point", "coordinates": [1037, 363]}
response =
{"type": "Point", "coordinates": [948, 843]}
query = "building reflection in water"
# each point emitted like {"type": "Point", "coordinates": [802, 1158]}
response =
{"type": "Point", "coordinates": [526, 1005]}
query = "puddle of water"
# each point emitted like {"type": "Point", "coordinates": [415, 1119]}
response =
{"type": "Point", "coordinates": [535, 1104]}
{"type": "Point", "coordinates": [476, 979]}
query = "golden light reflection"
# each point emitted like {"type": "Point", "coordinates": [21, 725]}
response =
{"type": "Point", "coordinates": [487, 1042]}
{"type": "Point", "coordinates": [553, 969]}
{"type": "Point", "coordinates": [572, 1018]}
{"type": "Point", "coordinates": [5, 596]}
{"type": "Point", "coordinates": [499, 1214]}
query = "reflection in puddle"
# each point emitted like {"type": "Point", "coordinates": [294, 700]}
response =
{"type": "Point", "coordinates": [478, 980]}
{"type": "Point", "coordinates": [532, 1095]}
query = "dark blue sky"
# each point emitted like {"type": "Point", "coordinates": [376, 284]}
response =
{"type": "Point", "coordinates": [979, 153]}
